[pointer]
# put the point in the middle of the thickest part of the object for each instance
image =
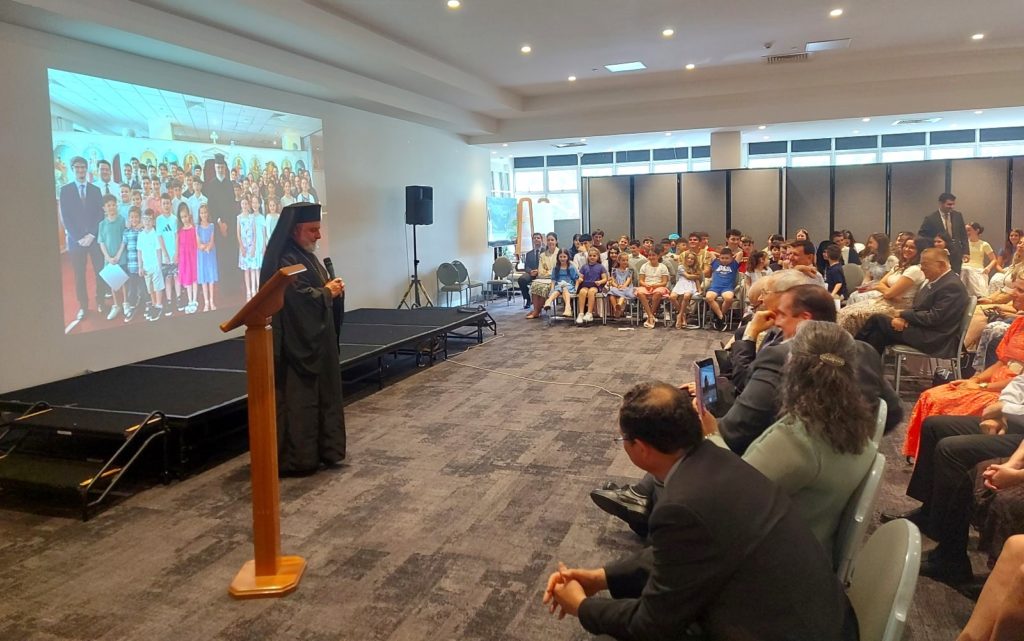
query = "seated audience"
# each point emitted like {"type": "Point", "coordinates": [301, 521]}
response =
{"type": "Point", "coordinates": [757, 268]}
{"type": "Point", "coordinates": [580, 258]}
{"type": "Point", "coordinates": [689, 278]}
{"type": "Point", "coordinates": [851, 248]}
{"type": "Point", "coordinates": [728, 551]}
{"type": "Point", "coordinates": [801, 257]}
{"type": "Point", "coordinates": [563, 282]}
{"type": "Point", "coordinates": [531, 263]}
{"type": "Point", "coordinates": [998, 615]}
{"type": "Point", "coordinates": [820, 448]}
{"type": "Point", "coordinates": [758, 405]}
{"type": "Point", "coordinates": [1008, 255]}
{"type": "Point", "coordinates": [610, 258]}
{"type": "Point", "coordinates": [835, 280]}
{"type": "Point", "coordinates": [950, 448]}
{"type": "Point", "coordinates": [894, 292]}
{"type": "Point", "coordinates": [540, 286]}
{"type": "Point", "coordinates": [970, 396]}
{"type": "Point", "coordinates": [652, 288]}
{"type": "Point", "coordinates": [621, 288]}
{"type": "Point", "coordinates": [932, 324]}
{"type": "Point", "coordinates": [775, 256]}
{"type": "Point", "coordinates": [877, 259]}
{"type": "Point", "coordinates": [979, 263]}
{"type": "Point", "coordinates": [590, 283]}
{"type": "Point", "coordinates": [724, 271]}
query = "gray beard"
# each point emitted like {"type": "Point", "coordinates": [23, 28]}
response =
{"type": "Point", "coordinates": [312, 248]}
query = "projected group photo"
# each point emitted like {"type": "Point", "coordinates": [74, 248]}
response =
{"type": "Point", "coordinates": [165, 201]}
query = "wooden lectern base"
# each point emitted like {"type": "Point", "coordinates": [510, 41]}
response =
{"type": "Point", "coordinates": [249, 586]}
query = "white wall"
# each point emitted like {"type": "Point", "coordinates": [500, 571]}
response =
{"type": "Point", "coordinates": [368, 161]}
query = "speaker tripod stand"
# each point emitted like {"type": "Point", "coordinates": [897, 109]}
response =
{"type": "Point", "coordinates": [415, 287]}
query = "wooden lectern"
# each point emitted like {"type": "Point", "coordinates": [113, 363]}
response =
{"type": "Point", "coordinates": [269, 574]}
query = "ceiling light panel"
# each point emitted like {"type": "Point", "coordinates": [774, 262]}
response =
{"type": "Point", "coordinates": [626, 66]}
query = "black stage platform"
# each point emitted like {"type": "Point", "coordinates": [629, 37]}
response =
{"type": "Point", "coordinates": [81, 434]}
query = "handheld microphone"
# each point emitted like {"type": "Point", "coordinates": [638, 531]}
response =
{"type": "Point", "coordinates": [329, 266]}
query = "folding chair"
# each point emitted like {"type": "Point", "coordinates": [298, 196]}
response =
{"type": "Point", "coordinates": [884, 579]}
{"type": "Point", "coordinates": [901, 352]}
{"type": "Point", "coordinates": [856, 517]}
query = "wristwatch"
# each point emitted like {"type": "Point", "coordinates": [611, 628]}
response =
{"type": "Point", "coordinates": [983, 385]}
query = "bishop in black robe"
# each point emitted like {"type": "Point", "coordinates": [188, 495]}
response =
{"type": "Point", "coordinates": [307, 377]}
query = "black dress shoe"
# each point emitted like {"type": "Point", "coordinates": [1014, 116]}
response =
{"type": "Point", "coordinates": [952, 572]}
{"type": "Point", "coordinates": [917, 516]}
{"type": "Point", "coordinates": [623, 503]}
{"type": "Point", "coordinates": [332, 463]}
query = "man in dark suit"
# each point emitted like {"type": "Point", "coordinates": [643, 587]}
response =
{"type": "Point", "coordinates": [950, 222]}
{"type": "Point", "coordinates": [757, 406]}
{"type": "Point", "coordinates": [81, 209]}
{"type": "Point", "coordinates": [728, 551]}
{"type": "Point", "coordinates": [531, 262]}
{"type": "Point", "coordinates": [932, 325]}
{"type": "Point", "coordinates": [220, 195]}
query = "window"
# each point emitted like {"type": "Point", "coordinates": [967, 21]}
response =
{"type": "Point", "coordinates": [1013, 149]}
{"type": "Point", "coordinates": [563, 179]}
{"type": "Point", "coordinates": [856, 158]}
{"type": "Point", "coordinates": [596, 171]}
{"type": "Point", "coordinates": [943, 153]}
{"type": "Point", "coordinates": [565, 206]}
{"type": "Point", "coordinates": [531, 181]}
{"type": "Point", "coordinates": [903, 155]}
{"type": "Point", "coordinates": [632, 170]}
{"type": "Point", "coordinates": [761, 162]}
{"type": "Point", "coordinates": [670, 167]}
{"type": "Point", "coordinates": [811, 160]}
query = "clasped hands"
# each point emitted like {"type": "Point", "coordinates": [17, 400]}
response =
{"type": "Point", "coordinates": [336, 286]}
{"type": "Point", "coordinates": [567, 588]}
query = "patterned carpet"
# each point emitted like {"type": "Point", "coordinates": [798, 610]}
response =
{"type": "Point", "coordinates": [462, 491]}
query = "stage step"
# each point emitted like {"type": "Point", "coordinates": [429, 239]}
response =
{"type": "Point", "coordinates": [41, 472]}
{"type": "Point", "coordinates": [81, 451]}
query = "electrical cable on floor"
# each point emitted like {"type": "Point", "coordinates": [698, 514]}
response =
{"type": "Point", "coordinates": [523, 378]}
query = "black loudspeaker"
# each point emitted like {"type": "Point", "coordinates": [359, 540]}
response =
{"type": "Point", "coordinates": [419, 205]}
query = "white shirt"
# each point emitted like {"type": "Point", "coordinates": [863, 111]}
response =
{"type": "Point", "coordinates": [1012, 396]}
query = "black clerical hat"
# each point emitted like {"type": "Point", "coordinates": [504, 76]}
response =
{"type": "Point", "coordinates": [291, 216]}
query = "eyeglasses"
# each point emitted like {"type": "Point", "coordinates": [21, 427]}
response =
{"type": "Point", "coordinates": [621, 439]}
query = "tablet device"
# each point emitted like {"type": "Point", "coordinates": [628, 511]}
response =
{"type": "Point", "coordinates": [706, 385]}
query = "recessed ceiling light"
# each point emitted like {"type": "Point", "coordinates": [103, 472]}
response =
{"type": "Point", "coordinates": [525, 49]}
{"type": "Point", "coordinates": [454, 4]}
{"type": "Point", "coordinates": [766, 137]}
{"type": "Point", "coordinates": [953, 125]}
{"type": "Point", "coordinates": [865, 120]}
{"type": "Point", "coordinates": [668, 33]}
{"type": "Point", "coordinates": [572, 78]}
{"type": "Point", "coordinates": [978, 36]}
{"type": "Point", "coordinates": [504, 144]}
{"type": "Point", "coordinates": [856, 131]}
{"type": "Point", "coordinates": [978, 112]}
{"type": "Point", "coordinates": [494, 152]}
{"type": "Point", "coordinates": [625, 66]}
{"type": "Point", "coordinates": [762, 127]}
{"type": "Point", "coordinates": [835, 13]}
{"type": "Point", "coordinates": [668, 133]}
{"type": "Point", "coordinates": [691, 67]}
{"type": "Point", "coordinates": [583, 140]}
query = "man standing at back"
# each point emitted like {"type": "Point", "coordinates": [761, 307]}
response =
{"type": "Point", "coordinates": [728, 550]}
{"type": "Point", "coordinates": [81, 209]}
{"type": "Point", "coordinates": [950, 222]}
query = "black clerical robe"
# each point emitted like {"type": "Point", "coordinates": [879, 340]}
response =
{"type": "Point", "coordinates": [307, 378]}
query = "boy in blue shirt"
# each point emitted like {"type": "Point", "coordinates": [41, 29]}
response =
{"type": "Point", "coordinates": [835, 280]}
{"type": "Point", "coordinates": [723, 283]}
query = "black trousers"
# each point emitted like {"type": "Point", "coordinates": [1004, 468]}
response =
{"type": "Point", "coordinates": [878, 333]}
{"type": "Point", "coordinates": [943, 479]}
{"type": "Point", "coordinates": [524, 286]}
{"type": "Point", "coordinates": [80, 256]}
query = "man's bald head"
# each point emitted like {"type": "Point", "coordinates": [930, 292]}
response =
{"type": "Point", "coordinates": [934, 263]}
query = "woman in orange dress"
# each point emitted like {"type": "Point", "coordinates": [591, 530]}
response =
{"type": "Point", "coordinates": [969, 397]}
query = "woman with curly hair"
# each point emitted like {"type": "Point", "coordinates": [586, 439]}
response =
{"type": "Point", "coordinates": [820, 448]}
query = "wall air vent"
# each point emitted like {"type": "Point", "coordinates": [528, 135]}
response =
{"type": "Point", "coordinates": [916, 121]}
{"type": "Point", "coordinates": [565, 145]}
{"type": "Point", "coordinates": [786, 58]}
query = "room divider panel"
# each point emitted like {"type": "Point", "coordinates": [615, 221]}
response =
{"type": "Point", "coordinates": [860, 200]}
{"type": "Point", "coordinates": [755, 203]}
{"type": "Point", "coordinates": [655, 205]}
{"type": "Point", "coordinates": [807, 201]}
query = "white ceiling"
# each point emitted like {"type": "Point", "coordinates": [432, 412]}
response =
{"type": "Point", "coordinates": [109, 106]}
{"type": "Point", "coordinates": [461, 71]}
{"type": "Point", "coordinates": [578, 37]}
